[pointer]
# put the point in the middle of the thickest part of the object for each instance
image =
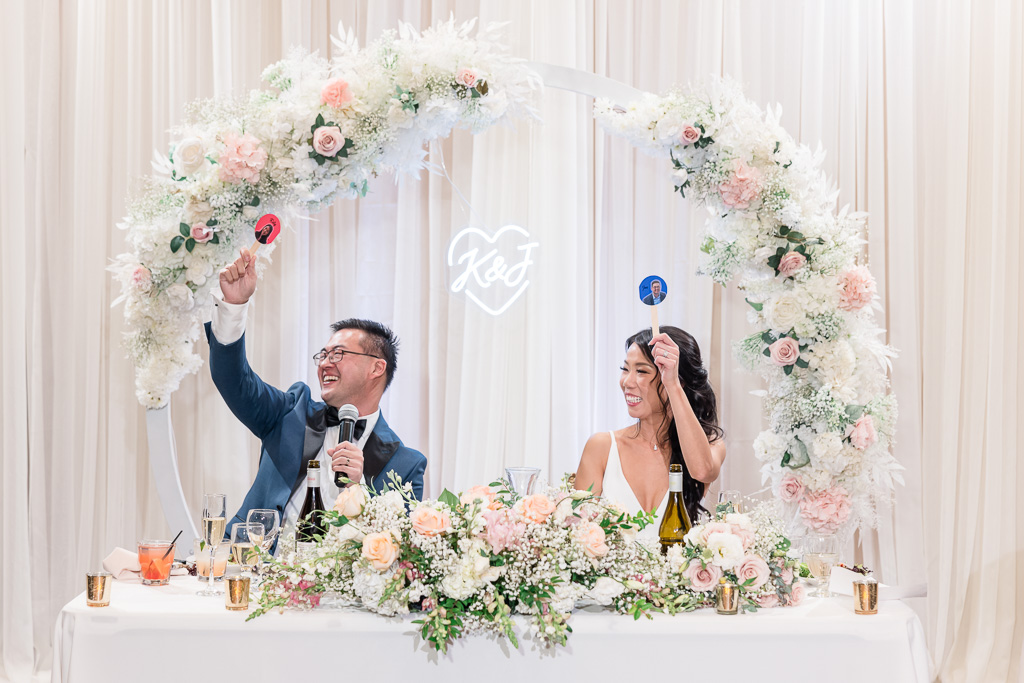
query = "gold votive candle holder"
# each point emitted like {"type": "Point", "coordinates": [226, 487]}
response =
{"type": "Point", "coordinates": [865, 596]}
{"type": "Point", "coordinates": [97, 588]}
{"type": "Point", "coordinates": [727, 597]}
{"type": "Point", "coordinates": [236, 593]}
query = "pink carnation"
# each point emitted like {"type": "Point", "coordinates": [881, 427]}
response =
{"type": "Point", "coordinates": [503, 531]}
{"type": "Point", "coordinates": [336, 93]}
{"type": "Point", "coordinates": [785, 351]}
{"type": "Point", "coordinates": [825, 511]}
{"type": "Point", "coordinates": [862, 432]}
{"type": "Point", "coordinates": [856, 288]}
{"type": "Point", "coordinates": [790, 488]}
{"type": "Point", "coordinates": [701, 577]}
{"type": "Point", "coordinates": [242, 159]}
{"type": "Point", "coordinates": [742, 186]}
{"type": "Point", "coordinates": [752, 568]}
{"type": "Point", "coordinates": [791, 262]}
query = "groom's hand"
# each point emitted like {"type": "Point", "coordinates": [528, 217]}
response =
{"type": "Point", "coordinates": [238, 279]}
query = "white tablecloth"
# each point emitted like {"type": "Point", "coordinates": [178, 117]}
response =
{"type": "Point", "coordinates": [168, 633]}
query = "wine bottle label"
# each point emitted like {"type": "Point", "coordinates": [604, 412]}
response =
{"type": "Point", "coordinates": [675, 481]}
{"type": "Point", "coordinates": [311, 479]}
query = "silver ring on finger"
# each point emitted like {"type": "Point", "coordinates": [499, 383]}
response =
{"type": "Point", "coordinates": [665, 354]}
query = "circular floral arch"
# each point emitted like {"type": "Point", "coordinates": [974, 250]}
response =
{"type": "Point", "coordinates": [327, 126]}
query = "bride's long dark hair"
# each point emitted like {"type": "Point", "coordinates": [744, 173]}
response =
{"type": "Point", "coordinates": [694, 379]}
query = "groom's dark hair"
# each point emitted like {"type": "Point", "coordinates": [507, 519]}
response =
{"type": "Point", "coordinates": [380, 341]}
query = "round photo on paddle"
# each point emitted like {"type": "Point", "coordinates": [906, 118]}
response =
{"type": "Point", "coordinates": [653, 290]}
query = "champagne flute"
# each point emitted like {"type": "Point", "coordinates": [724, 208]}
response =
{"type": "Point", "coordinates": [214, 521]}
{"type": "Point", "coordinates": [821, 552]}
{"type": "Point", "coordinates": [245, 538]}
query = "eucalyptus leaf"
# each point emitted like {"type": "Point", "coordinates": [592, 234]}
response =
{"type": "Point", "coordinates": [854, 412]}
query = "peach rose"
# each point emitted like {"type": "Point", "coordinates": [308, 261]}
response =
{"type": "Point", "coordinates": [428, 521]}
{"type": "Point", "coordinates": [790, 488]}
{"type": "Point", "coordinates": [328, 140]}
{"type": "Point", "coordinates": [482, 493]}
{"type": "Point", "coordinates": [785, 351]}
{"type": "Point", "coordinates": [350, 501]}
{"type": "Point", "coordinates": [702, 578]}
{"type": "Point", "coordinates": [336, 93]}
{"type": "Point", "coordinates": [753, 568]}
{"type": "Point", "coordinates": [862, 432]}
{"type": "Point", "coordinates": [536, 508]}
{"type": "Point", "coordinates": [592, 537]}
{"type": "Point", "coordinates": [791, 262]}
{"type": "Point", "coordinates": [201, 233]}
{"type": "Point", "coordinates": [466, 77]}
{"type": "Point", "coordinates": [690, 134]}
{"type": "Point", "coordinates": [380, 550]}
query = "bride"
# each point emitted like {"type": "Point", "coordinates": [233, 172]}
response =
{"type": "Point", "coordinates": [666, 390]}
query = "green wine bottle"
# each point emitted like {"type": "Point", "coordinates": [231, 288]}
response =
{"type": "Point", "coordinates": [676, 523]}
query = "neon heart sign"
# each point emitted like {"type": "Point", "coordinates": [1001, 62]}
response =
{"type": "Point", "coordinates": [491, 270]}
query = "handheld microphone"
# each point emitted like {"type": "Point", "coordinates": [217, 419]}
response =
{"type": "Point", "coordinates": [347, 415]}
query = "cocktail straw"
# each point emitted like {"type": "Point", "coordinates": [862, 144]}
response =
{"type": "Point", "coordinates": [169, 549]}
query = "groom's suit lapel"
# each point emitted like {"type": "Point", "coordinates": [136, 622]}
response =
{"type": "Point", "coordinates": [380, 446]}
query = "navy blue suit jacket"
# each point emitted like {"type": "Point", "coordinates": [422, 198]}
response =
{"type": "Point", "coordinates": [292, 427]}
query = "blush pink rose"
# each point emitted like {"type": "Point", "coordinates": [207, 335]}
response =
{"type": "Point", "coordinates": [466, 77]}
{"type": "Point", "coordinates": [428, 521]}
{"type": "Point", "coordinates": [825, 511]}
{"type": "Point", "coordinates": [536, 508]}
{"type": "Point", "coordinates": [746, 536]}
{"type": "Point", "coordinates": [690, 134]}
{"type": "Point", "coordinates": [336, 93]}
{"type": "Point", "coordinates": [201, 233]}
{"type": "Point", "coordinates": [592, 537]}
{"type": "Point", "coordinates": [328, 140]}
{"type": "Point", "coordinates": [142, 280]}
{"type": "Point", "coordinates": [790, 263]}
{"type": "Point", "coordinates": [752, 568]}
{"type": "Point", "coordinates": [742, 186]}
{"type": "Point", "coordinates": [786, 574]}
{"type": "Point", "coordinates": [242, 159]}
{"type": "Point", "coordinates": [856, 288]}
{"type": "Point", "coordinates": [701, 577]}
{"type": "Point", "coordinates": [713, 528]}
{"type": "Point", "coordinates": [785, 351]}
{"type": "Point", "coordinates": [767, 601]}
{"type": "Point", "coordinates": [797, 595]}
{"type": "Point", "coordinates": [862, 432]}
{"type": "Point", "coordinates": [380, 550]}
{"type": "Point", "coordinates": [790, 488]}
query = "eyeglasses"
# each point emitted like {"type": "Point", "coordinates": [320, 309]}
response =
{"type": "Point", "coordinates": [336, 354]}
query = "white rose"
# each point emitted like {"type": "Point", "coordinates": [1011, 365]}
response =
{"type": "Point", "coordinates": [675, 558]}
{"type": "Point", "coordinates": [198, 211]}
{"type": "Point", "coordinates": [250, 212]}
{"type": "Point", "coordinates": [350, 532]}
{"type": "Point", "coordinates": [399, 116]}
{"type": "Point", "coordinates": [769, 446]}
{"type": "Point", "coordinates": [692, 536]}
{"type": "Point", "coordinates": [629, 535]}
{"type": "Point", "coordinates": [739, 519]}
{"type": "Point", "coordinates": [827, 446]}
{"type": "Point", "coordinates": [784, 312]}
{"type": "Point", "coordinates": [726, 549]}
{"type": "Point", "coordinates": [180, 296]}
{"type": "Point", "coordinates": [189, 156]}
{"type": "Point", "coordinates": [605, 590]}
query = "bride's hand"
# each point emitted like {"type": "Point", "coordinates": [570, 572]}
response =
{"type": "Point", "coordinates": [666, 357]}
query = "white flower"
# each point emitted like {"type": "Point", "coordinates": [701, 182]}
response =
{"type": "Point", "coordinates": [769, 446]}
{"type": "Point", "coordinates": [784, 312]}
{"type": "Point", "coordinates": [739, 519]}
{"type": "Point", "coordinates": [180, 296]}
{"type": "Point", "coordinates": [827, 448]}
{"type": "Point", "coordinates": [189, 156]}
{"type": "Point", "coordinates": [605, 590]}
{"type": "Point", "coordinates": [198, 210]}
{"type": "Point", "coordinates": [675, 557]}
{"type": "Point", "coordinates": [726, 549]}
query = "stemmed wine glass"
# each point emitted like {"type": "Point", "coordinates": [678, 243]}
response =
{"type": "Point", "coordinates": [731, 496]}
{"type": "Point", "coordinates": [821, 552]}
{"type": "Point", "coordinates": [244, 540]}
{"type": "Point", "coordinates": [214, 521]}
{"type": "Point", "coordinates": [271, 521]}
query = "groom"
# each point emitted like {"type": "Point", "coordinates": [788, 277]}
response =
{"type": "Point", "coordinates": [355, 366]}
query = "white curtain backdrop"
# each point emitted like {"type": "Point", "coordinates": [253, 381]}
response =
{"type": "Point", "coordinates": [918, 104]}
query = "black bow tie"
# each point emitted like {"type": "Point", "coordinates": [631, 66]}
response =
{"type": "Point", "coordinates": [331, 417]}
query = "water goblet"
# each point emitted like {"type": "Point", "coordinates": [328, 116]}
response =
{"type": "Point", "coordinates": [821, 553]}
{"type": "Point", "coordinates": [271, 521]}
{"type": "Point", "coordinates": [522, 480]}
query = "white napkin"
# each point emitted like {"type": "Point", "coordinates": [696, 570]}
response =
{"type": "Point", "coordinates": [124, 565]}
{"type": "Point", "coordinates": [842, 579]}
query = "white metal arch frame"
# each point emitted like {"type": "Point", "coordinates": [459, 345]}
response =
{"type": "Point", "coordinates": [163, 456]}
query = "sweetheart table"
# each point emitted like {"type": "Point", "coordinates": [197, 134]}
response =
{"type": "Point", "coordinates": [168, 633]}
